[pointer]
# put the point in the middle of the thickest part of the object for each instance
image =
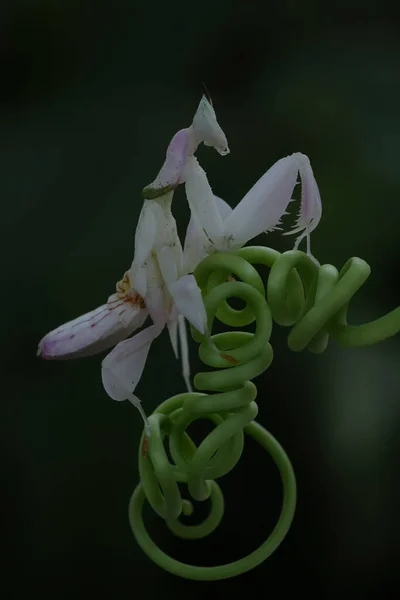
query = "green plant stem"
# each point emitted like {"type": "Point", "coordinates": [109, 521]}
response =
{"type": "Point", "coordinates": [269, 443]}
{"type": "Point", "coordinates": [313, 301]}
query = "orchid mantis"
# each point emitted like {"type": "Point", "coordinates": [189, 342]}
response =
{"type": "Point", "coordinates": [169, 292]}
{"type": "Point", "coordinates": [155, 284]}
{"type": "Point", "coordinates": [214, 225]}
{"type": "Point", "coordinates": [159, 282]}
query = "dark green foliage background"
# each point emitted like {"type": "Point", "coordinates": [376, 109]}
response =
{"type": "Point", "coordinates": [90, 94]}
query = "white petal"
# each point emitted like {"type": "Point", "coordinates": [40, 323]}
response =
{"type": "Point", "coordinates": [123, 367]}
{"type": "Point", "coordinates": [206, 128]}
{"type": "Point", "coordinates": [197, 246]}
{"type": "Point", "coordinates": [263, 206]}
{"type": "Point", "coordinates": [202, 203]}
{"type": "Point", "coordinates": [187, 297]}
{"type": "Point", "coordinates": [94, 331]}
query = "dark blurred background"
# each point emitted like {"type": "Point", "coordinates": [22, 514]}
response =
{"type": "Point", "coordinates": [90, 94]}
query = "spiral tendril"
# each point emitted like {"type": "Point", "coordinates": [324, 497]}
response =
{"type": "Point", "coordinates": [313, 301]}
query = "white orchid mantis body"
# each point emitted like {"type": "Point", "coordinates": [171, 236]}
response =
{"type": "Point", "coordinates": [155, 285]}
{"type": "Point", "coordinates": [168, 293]}
{"type": "Point", "coordinates": [218, 227]}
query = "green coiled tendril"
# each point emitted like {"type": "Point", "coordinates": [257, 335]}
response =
{"type": "Point", "coordinates": [313, 301]}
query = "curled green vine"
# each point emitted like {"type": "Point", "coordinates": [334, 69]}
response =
{"type": "Point", "coordinates": [313, 301]}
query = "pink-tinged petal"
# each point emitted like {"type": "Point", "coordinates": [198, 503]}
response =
{"type": "Point", "coordinates": [263, 206]}
{"type": "Point", "coordinates": [206, 128]}
{"type": "Point", "coordinates": [94, 331]}
{"type": "Point", "coordinates": [122, 369]}
{"type": "Point", "coordinates": [202, 203]}
{"type": "Point", "coordinates": [311, 206]}
{"type": "Point", "coordinates": [197, 245]}
{"type": "Point", "coordinates": [171, 172]}
{"type": "Point", "coordinates": [187, 297]}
